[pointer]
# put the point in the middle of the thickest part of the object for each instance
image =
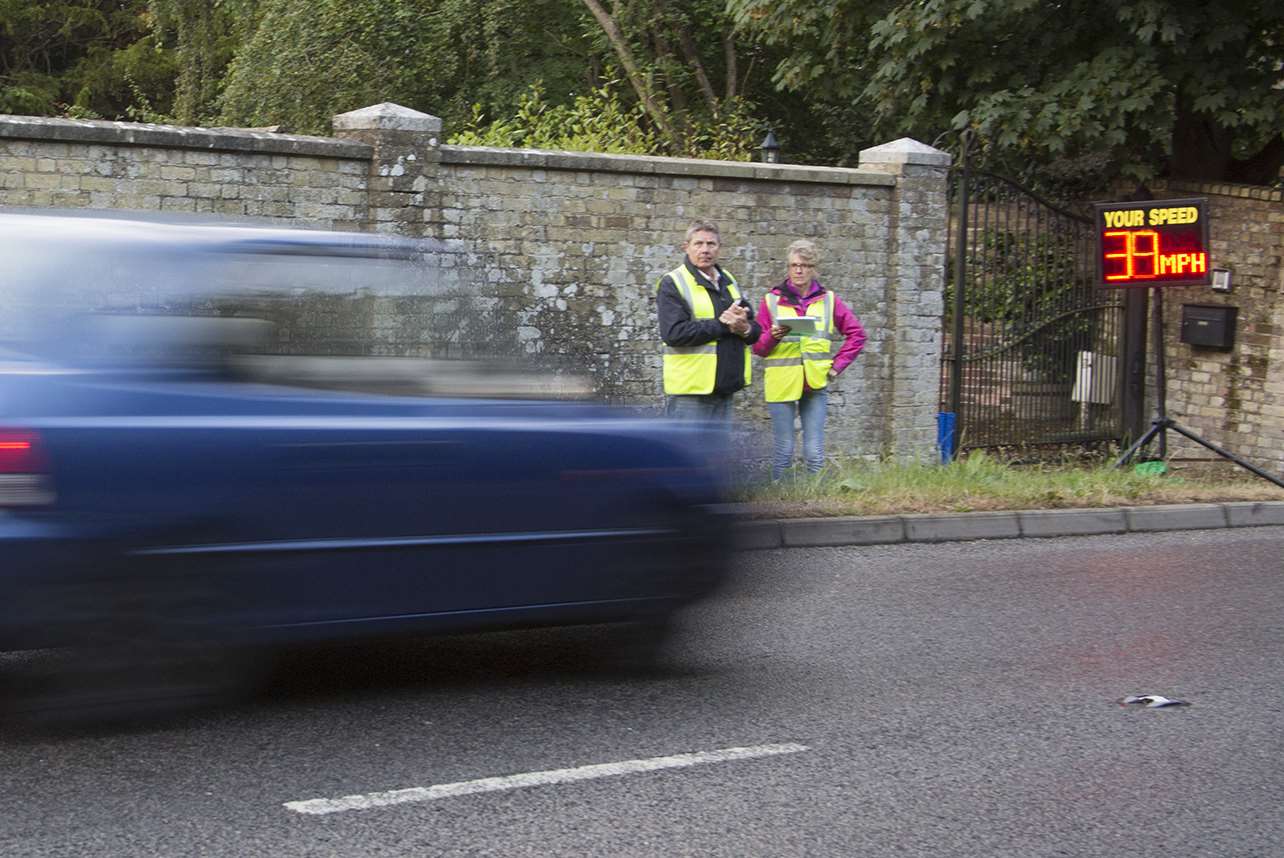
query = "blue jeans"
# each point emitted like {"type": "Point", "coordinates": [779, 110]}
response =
{"type": "Point", "coordinates": [811, 408]}
{"type": "Point", "coordinates": [710, 406]}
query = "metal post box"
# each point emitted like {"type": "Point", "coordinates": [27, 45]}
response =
{"type": "Point", "coordinates": [1208, 325]}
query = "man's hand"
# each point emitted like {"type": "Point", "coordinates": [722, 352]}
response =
{"type": "Point", "coordinates": [736, 318]}
{"type": "Point", "coordinates": [779, 332]}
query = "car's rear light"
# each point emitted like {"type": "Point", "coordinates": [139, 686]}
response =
{"type": "Point", "coordinates": [24, 470]}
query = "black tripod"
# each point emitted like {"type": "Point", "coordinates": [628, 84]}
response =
{"type": "Point", "coordinates": [1162, 422]}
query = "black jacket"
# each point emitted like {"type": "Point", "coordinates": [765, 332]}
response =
{"type": "Point", "coordinates": [678, 328]}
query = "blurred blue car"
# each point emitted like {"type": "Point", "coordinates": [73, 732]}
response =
{"type": "Point", "coordinates": [167, 483]}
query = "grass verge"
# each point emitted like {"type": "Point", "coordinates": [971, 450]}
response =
{"type": "Point", "coordinates": [982, 482]}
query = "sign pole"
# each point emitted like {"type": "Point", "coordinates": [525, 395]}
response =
{"type": "Point", "coordinates": [960, 280]}
{"type": "Point", "coordinates": [1133, 382]}
{"type": "Point", "coordinates": [1161, 369]}
{"type": "Point", "coordinates": [947, 422]}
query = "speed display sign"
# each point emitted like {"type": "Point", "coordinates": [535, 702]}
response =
{"type": "Point", "coordinates": [1153, 243]}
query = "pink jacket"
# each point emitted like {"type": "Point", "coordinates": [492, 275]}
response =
{"type": "Point", "coordinates": [844, 320]}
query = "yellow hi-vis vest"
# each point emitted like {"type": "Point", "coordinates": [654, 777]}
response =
{"type": "Point", "coordinates": [796, 358]}
{"type": "Point", "coordinates": [694, 369]}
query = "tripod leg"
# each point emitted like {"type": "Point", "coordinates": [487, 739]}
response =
{"type": "Point", "coordinates": [1155, 429]}
{"type": "Point", "coordinates": [1227, 455]}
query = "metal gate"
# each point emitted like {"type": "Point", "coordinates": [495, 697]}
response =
{"type": "Point", "coordinates": [1033, 348]}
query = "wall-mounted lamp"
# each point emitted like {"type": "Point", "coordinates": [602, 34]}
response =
{"type": "Point", "coordinates": [1221, 280]}
{"type": "Point", "coordinates": [769, 148]}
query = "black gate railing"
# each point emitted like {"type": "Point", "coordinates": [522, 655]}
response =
{"type": "Point", "coordinates": [1033, 348]}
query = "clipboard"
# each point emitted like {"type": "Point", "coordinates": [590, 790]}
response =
{"type": "Point", "coordinates": [799, 324]}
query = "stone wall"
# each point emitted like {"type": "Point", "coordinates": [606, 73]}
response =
{"type": "Point", "coordinates": [1234, 398]}
{"type": "Point", "coordinates": [71, 164]}
{"type": "Point", "coordinates": [548, 258]}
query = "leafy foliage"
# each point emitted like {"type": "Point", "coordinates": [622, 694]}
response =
{"type": "Point", "coordinates": [81, 58]}
{"type": "Point", "coordinates": [730, 134]}
{"type": "Point", "coordinates": [601, 121]}
{"type": "Point", "coordinates": [819, 58]}
{"type": "Point", "coordinates": [205, 34]}
{"type": "Point", "coordinates": [596, 122]}
{"type": "Point", "coordinates": [1160, 85]}
{"type": "Point", "coordinates": [1079, 89]}
{"type": "Point", "coordinates": [307, 60]}
{"type": "Point", "coordinates": [704, 87]}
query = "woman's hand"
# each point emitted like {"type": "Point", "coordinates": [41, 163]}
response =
{"type": "Point", "coordinates": [779, 332]}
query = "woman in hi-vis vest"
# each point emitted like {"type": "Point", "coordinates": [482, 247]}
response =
{"type": "Point", "coordinates": [798, 366]}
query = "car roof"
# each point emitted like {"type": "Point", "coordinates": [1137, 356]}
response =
{"type": "Point", "coordinates": [121, 232]}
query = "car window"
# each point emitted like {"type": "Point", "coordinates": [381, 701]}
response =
{"type": "Point", "coordinates": [278, 306]}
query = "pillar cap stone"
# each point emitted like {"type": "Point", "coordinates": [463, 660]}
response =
{"type": "Point", "coordinates": [905, 151]}
{"type": "Point", "coordinates": [387, 117]}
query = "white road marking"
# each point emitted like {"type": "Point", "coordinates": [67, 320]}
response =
{"type": "Point", "coordinates": [319, 806]}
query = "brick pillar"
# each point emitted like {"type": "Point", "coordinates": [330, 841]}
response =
{"type": "Point", "coordinates": [917, 242]}
{"type": "Point", "coordinates": [403, 181]}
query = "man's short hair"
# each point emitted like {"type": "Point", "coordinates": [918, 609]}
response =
{"type": "Point", "coordinates": [702, 226]}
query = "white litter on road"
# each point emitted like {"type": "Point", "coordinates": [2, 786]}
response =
{"type": "Point", "coordinates": [318, 806]}
{"type": "Point", "coordinates": [1153, 701]}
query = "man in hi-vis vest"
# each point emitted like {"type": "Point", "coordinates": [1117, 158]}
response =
{"type": "Point", "coordinates": [707, 329]}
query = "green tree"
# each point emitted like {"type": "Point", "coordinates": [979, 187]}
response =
{"type": "Point", "coordinates": [596, 122]}
{"type": "Point", "coordinates": [87, 58]}
{"type": "Point", "coordinates": [671, 74]}
{"type": "Point", "coordinates": [306, 60]}
{"type": "Point", "coordinates": [818, 57]}
{"type": "Point", "coordinates": [204, 34]}
{"type": "Point", "coordinates": [688, 71]}
{"type": "Point", "coordinates": [603, 121]}
{"type": "Point", "coordinates": [1154, 86]}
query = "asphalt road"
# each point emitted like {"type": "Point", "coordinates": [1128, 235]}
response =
{"type": "Point", "coordinates": [955, 699]}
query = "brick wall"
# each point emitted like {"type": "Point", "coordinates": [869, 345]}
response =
{"type": "Point", "coordinates": [1234, 398]}
{"type": "Point", "coordinates": [548, 258]}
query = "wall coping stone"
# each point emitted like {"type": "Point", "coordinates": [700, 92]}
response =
{"type": "Point", "coordinates": [1221, 189]}
{"type": "Point", "coordinates": [178, 137]}
{"type": "Point", "coordinates": [542, 159]}
{"type": "Point", "coordinates": [387, 117]}
{"type": "Point", "coordinates": [906, 150]}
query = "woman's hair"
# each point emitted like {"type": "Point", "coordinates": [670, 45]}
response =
{"type": "Point", "coordinates": [804, 250]}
